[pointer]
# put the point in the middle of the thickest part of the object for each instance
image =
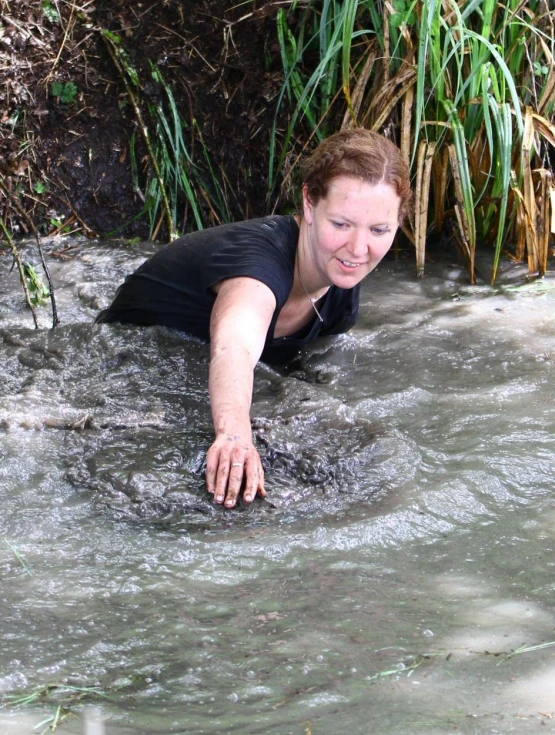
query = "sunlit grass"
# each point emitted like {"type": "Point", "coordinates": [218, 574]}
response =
{"type": "Point", "coordinates": [527, 649]}
{"type": "Point", "coordinates": [63, 697]}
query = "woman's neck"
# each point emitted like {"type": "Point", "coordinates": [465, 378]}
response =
{"type": "Point", "coordinates": [306, 274]}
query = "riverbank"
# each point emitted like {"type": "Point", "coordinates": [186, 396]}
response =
{"type": "Point", "coordinates": [72, 151]}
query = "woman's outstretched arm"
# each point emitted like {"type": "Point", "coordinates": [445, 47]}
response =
{"type": "Point", "coordinates": [240, 321]}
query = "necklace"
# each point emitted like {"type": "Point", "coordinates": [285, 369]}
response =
{"type": "Point", "coordinates": [309, 297]}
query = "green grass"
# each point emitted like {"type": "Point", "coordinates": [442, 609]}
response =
{"type": "Point", "coordinates": [466, 89]}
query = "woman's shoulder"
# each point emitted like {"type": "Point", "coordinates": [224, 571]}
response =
{"type": "Point", "coordinates": [267, 242]}
{"type": "Point", "coordinates": [273, 227]}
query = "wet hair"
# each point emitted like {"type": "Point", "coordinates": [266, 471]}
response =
{"type": "Point", "coordinates": [360, 154]}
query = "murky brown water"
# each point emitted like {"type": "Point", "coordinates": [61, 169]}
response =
{"type": "Point", "coordinates": [405, 551]}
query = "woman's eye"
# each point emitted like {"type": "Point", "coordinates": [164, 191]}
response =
{"type": "Point", "coordinates": [380, 230]}
{"type": "Point", "coordinates": [339, 225]}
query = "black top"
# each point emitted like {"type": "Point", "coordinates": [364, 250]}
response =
{"type": "Point", "coordinates": [174, 286]}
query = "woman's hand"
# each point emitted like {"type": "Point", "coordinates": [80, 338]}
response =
{"type": "Point", "coordinates": [233, 463]}
{"type": "Point", "coordinates": [239, 324]}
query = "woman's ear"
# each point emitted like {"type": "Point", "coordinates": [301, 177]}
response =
{"type": "Point", "coordinates": [308, 207]}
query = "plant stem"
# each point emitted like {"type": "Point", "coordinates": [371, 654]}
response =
{"type": "Point", "coordinates": [112, 50]}
{"type": "Point", "coordinates": [19, 263]}
{"type": "Point", "coordinates": [23, 213]}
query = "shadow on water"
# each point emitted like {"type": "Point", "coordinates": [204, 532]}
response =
{"type": "Point", "coordinates": [398, 580]}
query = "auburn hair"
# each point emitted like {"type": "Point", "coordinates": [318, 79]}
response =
{"type": "Point", "coordinates": [360, 154]}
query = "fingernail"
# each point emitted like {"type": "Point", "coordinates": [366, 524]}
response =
{"type": "Point", "coordinates": [230, 504]}
{"type": "Point", "coordinates": [248, 498]}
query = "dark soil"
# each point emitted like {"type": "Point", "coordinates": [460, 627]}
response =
{"type": "Point", "coordinates": [65, 157]}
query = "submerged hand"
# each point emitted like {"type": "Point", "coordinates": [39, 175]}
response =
{"type": "Point", "coordinates": [232, 462]}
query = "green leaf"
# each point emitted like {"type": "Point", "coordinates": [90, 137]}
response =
{"type": "Point", "coordinates": [66, 91]}
{"type": "Point", "coordinates": [38, 291]}
{"type": "Point", "coordinates": [69, 93]}
{"type": "Point", "coordinates": [49, 10]}
{"type": "Point", "coordinates": [400, 17]}
{"type": "Point", "coordinates": [113, 37]}
{"type": "Point", "coordinates": [56, 89]}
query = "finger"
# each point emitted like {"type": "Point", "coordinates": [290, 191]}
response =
{"type": "Point", "coordinates": [235, 480]}
{"type": "Point", "coordinates": [261, 490]}
{"type": "Point", "coordinates": [255, 479]}
{"type": "Point", "coordinates": [222, 477]}
{"type": "Point", "coordinates": [252, 474]}
{"type": "Point", "coordinates": [211, 470]}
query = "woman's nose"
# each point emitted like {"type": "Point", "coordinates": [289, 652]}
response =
{"type": "Point", "coordinates": [359, 243]}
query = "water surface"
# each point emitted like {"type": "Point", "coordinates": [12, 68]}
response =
{"type": "Point", "coordinates": [402, 560]}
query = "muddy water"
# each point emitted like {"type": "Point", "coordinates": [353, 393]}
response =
{"type": "Point", "coordinates": [403, 559]}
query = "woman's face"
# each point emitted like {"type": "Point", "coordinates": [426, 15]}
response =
{"type": "Point", "coordinates": [351, 230]}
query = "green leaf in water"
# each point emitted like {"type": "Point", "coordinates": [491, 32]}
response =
{"type": "Point", "coordinates": [38, 291]}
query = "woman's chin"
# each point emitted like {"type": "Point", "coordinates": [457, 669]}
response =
{"type": "Point", "coordinates": [344, 277]}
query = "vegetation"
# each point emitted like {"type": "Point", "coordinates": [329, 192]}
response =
{"type": "Point", "coordinates": [64, 697]}
{"type": "Point", "coordinates": [467, 89]}
{"type": "Point", "coordinates": [173, 176]}
{"type": "Point", "coordinates": [35, 291]}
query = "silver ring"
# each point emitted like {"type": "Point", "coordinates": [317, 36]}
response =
{"type": "Point", "coordinates": [237, 464]}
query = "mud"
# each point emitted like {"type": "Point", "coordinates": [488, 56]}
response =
{"type": "Point", "coordinates": [68, 161]}
{"type": "Point", "coordinates": [137, 447]}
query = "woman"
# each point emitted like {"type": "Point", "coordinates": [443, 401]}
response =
{"type": "Point", "coordinates": [265, 287]}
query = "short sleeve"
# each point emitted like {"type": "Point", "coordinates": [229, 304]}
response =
{"type": "Point", "coordinates": [263, 249]}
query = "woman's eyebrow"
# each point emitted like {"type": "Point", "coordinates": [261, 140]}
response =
{"type": "Point", "coordinates": [334, 216]}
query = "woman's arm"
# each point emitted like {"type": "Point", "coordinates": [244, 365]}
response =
{"type": "Point", "coordinates": [239, 324]}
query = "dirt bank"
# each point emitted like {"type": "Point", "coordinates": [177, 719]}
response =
{"type": "Point", "coordinates": [72, 151]}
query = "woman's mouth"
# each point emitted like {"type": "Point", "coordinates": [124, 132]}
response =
{"type": "Point", "coordinates": [348, 264]}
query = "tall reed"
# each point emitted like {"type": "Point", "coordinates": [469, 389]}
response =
{"type": "Point", "coordinates": [467, 90]}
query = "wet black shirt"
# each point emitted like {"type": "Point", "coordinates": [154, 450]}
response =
{"type": "Point", "coordinates": [174, 286]}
